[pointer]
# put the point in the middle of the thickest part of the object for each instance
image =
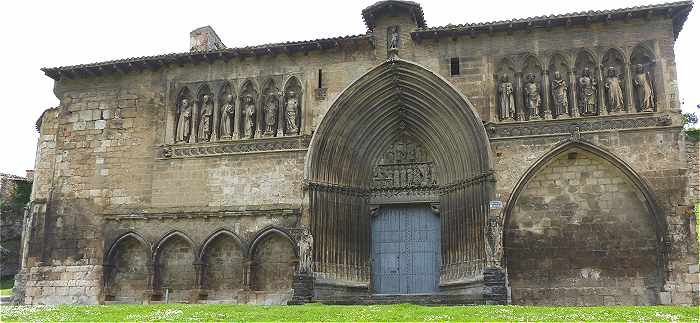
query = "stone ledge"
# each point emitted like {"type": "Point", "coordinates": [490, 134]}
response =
{"type": "Point", "coordinates": [237, 147]}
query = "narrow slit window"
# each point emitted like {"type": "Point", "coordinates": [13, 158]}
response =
{"type": "Point", "coordinates": [320, 78]}
{"type": "Point", "coordinates": [454, 66]}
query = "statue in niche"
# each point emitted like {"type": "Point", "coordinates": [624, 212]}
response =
{"type": "Point", "coordinates": [228, 114]}
{"type": "Point", "coordinates": [645, 92]}
{"type": "Point", "coordinates": [393, 38]}
{"type": "Point", "coordinates": [560, 93]}
{"type": "Point", "coordinates": [184, 123]}
{"type": "Point", "coordinates": [587, 88]}
{"type": "Point", "coordinates": [291, 109]}
{"type": "Point", "coordinates": [249, 116]}
{"type": "Point", "coordinates": [505, 90]}
{"type": "Point", "coordinates": [532, 97]}
{"type": "Point", "coordinates": [206, 121]}
{"type": "Point", "coordinates": [270, 114]}
{"type": "Point", "coordinates": [613, 86]}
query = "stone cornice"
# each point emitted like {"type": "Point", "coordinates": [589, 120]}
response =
{"type": "Point", "coordinates": [138, 64]}
{"type": "Point", "coordinates": [678, 11]}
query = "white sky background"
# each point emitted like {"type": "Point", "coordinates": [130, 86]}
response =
{"type": "Point", "coordinates": [56, 33]}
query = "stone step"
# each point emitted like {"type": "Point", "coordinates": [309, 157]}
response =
{"type": "Point", "coordinates": [419, 299]}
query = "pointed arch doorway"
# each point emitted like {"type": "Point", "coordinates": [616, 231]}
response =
{"type": "Point", "coordinates": [395, 102]}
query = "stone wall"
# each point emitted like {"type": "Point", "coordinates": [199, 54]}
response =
{"type": "Point", "coordinates": [581, 234]}
{"type": "Point", "coordinates": [11, 217]}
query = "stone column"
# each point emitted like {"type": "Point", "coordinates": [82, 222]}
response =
{"type": "Point", "coordinates": [260, 116]}
{"type": "Point", "coordinates": [194, 121]}
{"type": "Point", "coordinates": [198, 292]}
{"type": "Point", "coordinates": [216, 118]}
{"type": "Point", "coordinates": [629, 95]}
{"type": "Point", "coordinates": [238, 111]}
{"type": "Point", "coordinates": [602, 109]}
{"type": "Point", "coordinates": [281, 114]}
{"type": "Point", "coordinates": [519, 103]}
{"type": "Point", "coordinates": [572, 88]}
{"type": "Point", "coordinates": [545, 96]}
{"type": "Point", "coordinates": [248, 267]}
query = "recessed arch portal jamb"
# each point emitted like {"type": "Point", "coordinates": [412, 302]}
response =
{"type": "Point", "coordinates": [637, 181]}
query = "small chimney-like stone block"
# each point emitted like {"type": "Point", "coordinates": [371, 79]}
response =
{"type": "Point", "coordinates": [205, 39]}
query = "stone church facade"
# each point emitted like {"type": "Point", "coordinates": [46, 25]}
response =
{"type": "Point", "coordinates": [530, 161]}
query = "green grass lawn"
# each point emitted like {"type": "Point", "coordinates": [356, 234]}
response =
{"type": "Point", "coordinates": [316, 312]}
{"type": "Point", "coordinates": [6, 286]}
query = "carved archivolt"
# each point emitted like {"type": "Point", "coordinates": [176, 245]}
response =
{"type": "Point", "coordinates": [226, 110]}
{"type": "Point", "coordinates": [574, 84]}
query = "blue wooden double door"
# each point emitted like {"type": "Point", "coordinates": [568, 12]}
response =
{"type": "Point", "coordinates": [405, 250]}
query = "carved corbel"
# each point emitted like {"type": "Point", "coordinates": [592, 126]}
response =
{"type": "Point", "coordinates": [435, 208]}
{"type": "Point", "coordinates": [374, 210]}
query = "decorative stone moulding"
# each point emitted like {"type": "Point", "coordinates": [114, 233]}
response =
{"type": "Point", "coordinates": [248, 146]}
{"type": "Point", "coordinates": [204, 215]}
{"type": "Point", "coordinates": [567, 126]}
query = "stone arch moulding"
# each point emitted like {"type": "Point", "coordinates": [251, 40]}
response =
{"type": "Point", "coordinates": [129, 286]}
{"type": "Point", "coordinates": [635, 179]}
{"type": "Point", "coordinates": [127, 235]}
{"type": "Point", "coordinates": [395, 98]}
{"type": "Point", "coordinates": [166, 238]}
{"type": "Point", "coordinates": [264, 233]}
{"type": "Point", "coordinates": [218, 233]}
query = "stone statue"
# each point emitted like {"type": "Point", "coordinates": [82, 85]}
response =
{"type": "Point", "coordinates": [206, 121]}
{"type": "Point", "coordinates": [560, 93]}
{"type": "Point", "coordinates": [184, 123]}
{"type": "Point", "coordinates": [505, 90]}
{"type": "Point", "coordinates": [291, 109]}
{"type": "Point", "coordinates": [614, 90]}
{"type": "Point", "coordinates": [393, 39]}
{"type": "Point", "coordinates": [249, 116]}
{"type": "Point", "coordinates": [494, 250]}
{"type": "Point", "coordinates": [227, 119]}
{"type": "Point", "coordinates": [645, 92]}
{"type": "Point", "coordinates": [587, 89]}
{"type": "Point", "coordinates": [270, 114]}
{"type": "Point", "coordinates": [532, 97]}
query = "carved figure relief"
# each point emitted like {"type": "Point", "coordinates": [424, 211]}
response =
{"type": "Point", "coordinates": [560, 94]}
{"type": "Point", "coordinates": [183, 128]}
{"type": "Point", "coordinates": [227, 116]}
{"type": "Point", "coordinates": [248, 116]}
{"type": "Point", "coordinates": [613, 87]}
{"type": "Point", "coordinates": [393, 37]}
{"type": "Point", "coordinates": [642, 61]}
{"type": "Point", "coordinates": [507, 101]}
{"type": "Point", "coordinates": [184, 122]}
{"type": "Point", "coordinates": [587, 93]}
{"type": "Point", "coordinates": [404, 164]}
{"type": "Point", "coordinates": [532, 97]}
{"type": "Point", "coordinates": [616, 80]}
{"type": "Point", "coordinates": [644, 89]}
{"type": "Point", "coordinates": [270, 110]}
{"type": "Point", "coordinates": [291, 109]}
{"type": "Point", "coordinates": [206, 118]}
